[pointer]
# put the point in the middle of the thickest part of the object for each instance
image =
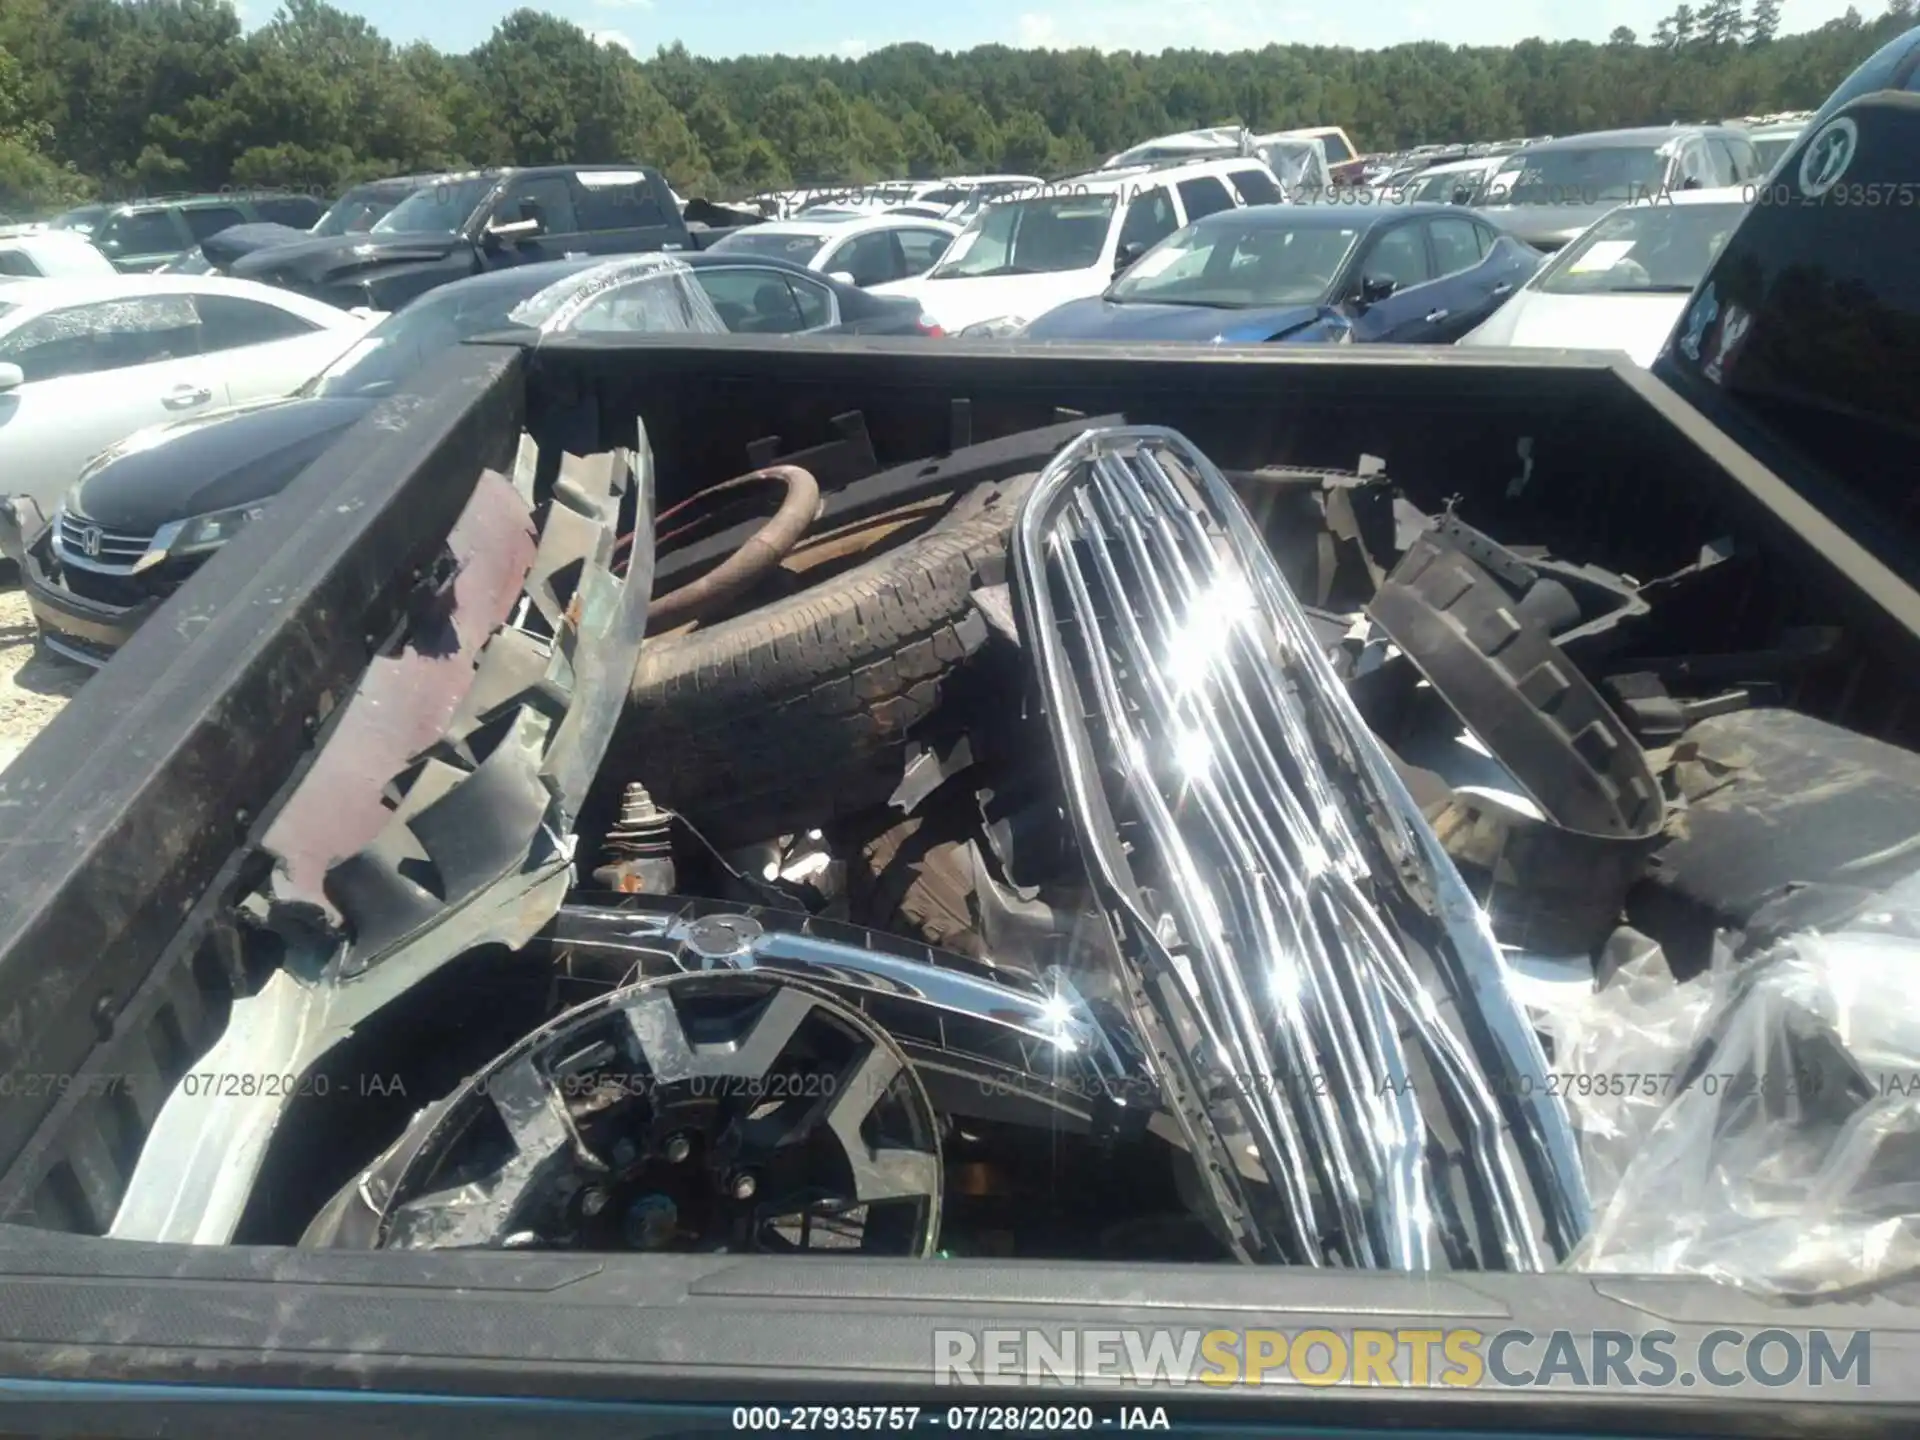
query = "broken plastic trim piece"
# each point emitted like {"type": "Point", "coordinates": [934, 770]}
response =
{"type": "Point", "coordinates": [476, 848]}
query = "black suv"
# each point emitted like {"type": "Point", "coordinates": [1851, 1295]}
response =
{"type": "Point", "coordinates": [145, 234]}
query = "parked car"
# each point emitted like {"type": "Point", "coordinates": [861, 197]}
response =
{"type": "Point", "coordinates": [864, 250]}
{"type": "Point", "coordinates": [82, 219]}
{"type": "Point", "coordinates": [483, 220]}
{"type": "Point", "coordinates": [86, 362]}
{"type": "Point", "coordinates": [51, 254]}
{"type": "Point", "coordinates": [1344, 164]}
{"type": "Point", "coordinates": [1623, 284]}
{"type": "Point", "coordinates": [144, 235]}
{"type": "Point", "coordinates": [1453, 182]}
{"type": "Point", "coordinates": [1019, 258]}
{"type": "Point", "coordinates": [148, 512]}
{"type": "Point", "coordinates": [1304, 274]}
{"type": "Point", "coordinates": [1548, 194]}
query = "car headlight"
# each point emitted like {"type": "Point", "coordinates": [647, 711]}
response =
{"type": "Point", "coordinates": [1001, 327]}
{"type": "Point", "coordinates": [214, 529]}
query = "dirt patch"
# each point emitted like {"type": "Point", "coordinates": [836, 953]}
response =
{"type": "Point", "coordinates": [34, 686]}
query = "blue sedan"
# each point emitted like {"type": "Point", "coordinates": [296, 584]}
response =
{"type": "Point", "coordinates": [1308, 274]}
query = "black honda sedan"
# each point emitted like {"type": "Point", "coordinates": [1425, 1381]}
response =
{"type": "Point", "coordinates": [145, 514]}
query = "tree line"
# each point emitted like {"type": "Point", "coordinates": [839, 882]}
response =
{"type": "Point", "coordinates": [125, 97]}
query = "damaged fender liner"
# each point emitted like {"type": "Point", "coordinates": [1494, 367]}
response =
{"type": "Point", "coordinates": [133, 802]}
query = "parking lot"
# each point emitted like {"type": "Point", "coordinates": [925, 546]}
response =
{"type": "Point", "coordinates": [34, 686]}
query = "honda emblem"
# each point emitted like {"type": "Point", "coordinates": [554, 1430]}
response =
{"type": "Point", "coordinates": [90, 542]}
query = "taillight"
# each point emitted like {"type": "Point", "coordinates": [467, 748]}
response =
{"type": "Point", "coordinates": [928, 326]}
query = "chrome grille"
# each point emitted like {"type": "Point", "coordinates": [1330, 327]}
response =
{"type": "Point", "coordinates": [1322, 995]}
{"type": "Point", "coordinates": [114, 550]}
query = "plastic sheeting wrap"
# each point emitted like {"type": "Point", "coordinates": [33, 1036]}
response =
{"type": "Point", "coordinates": [633, 293]}
{"type": "Point", "coordinates": [1759, 1125]}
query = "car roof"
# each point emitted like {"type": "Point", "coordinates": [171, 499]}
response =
{"type": "Point", "coordinates": [1627, 139]}
{"type": "Point", "coordinates": [1324, 216]}
{"type": "Point", "coordinates": [1172, 172]}
{"type": "Point", "coordinates": [39, 239]}
{"type": "Point", "coordinates": [853, 223]}
{"type": "Point", "coordinates": [54, 292]}
{"type": "Point", "coordinates": [1459, 167]}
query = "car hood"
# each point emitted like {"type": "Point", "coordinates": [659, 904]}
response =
{"type": "Point", "coordinates": [236, 241]}
{"type": "Point", "coordinates": [1546, 226]}
{"type": "Point", "coordinates": [955, 304]}
{"type": "Point", "coordinates": [326, 258]}
{"type": "Point", "coordinates": [213, 461]}
{"type": "Point", "coordinates": [1102, 319]}
{"type": "Point", "coordinates": [1637, 324]}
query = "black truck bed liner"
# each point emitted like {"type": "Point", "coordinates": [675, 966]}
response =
{"type": "Point", "coordinates": [126, 813]}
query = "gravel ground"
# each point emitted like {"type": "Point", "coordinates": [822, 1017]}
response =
{"type": "Point", "coordinates": [33, 686]}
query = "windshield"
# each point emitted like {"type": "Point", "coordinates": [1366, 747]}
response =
{"type": "Point", "coordinates": [399, 345]}
{"type": "Point", "coordinates": [1444, 187]}
{"type": "Point", "coordinates": [755, 241]}
{"type": "Point", "coordinates": [1239, 266]}
{"type": "Point", "coordinates": [359, 209]}
{"type": "Point", "coordinates": [1580, 177]}
{"type": "Point", "coordinates": [1644, 250]}
{"type": "Point", "coordinates": [442, 208]}
{"type": "Point", "coordinates": [83, 220]}
{"type": "Point", "coordinates": [1030, 237]}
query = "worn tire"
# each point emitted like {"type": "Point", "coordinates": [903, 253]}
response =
{"type": "Point", "coordinates": [795, 714]}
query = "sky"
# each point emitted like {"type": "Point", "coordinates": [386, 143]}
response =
{"type": "Point", "coordinates": [853, 27]}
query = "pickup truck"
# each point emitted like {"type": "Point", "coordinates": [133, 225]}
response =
{"type": "Point", "coordinates": [523, 857]}
{"type": "Point", "coordinates": [484, 220]}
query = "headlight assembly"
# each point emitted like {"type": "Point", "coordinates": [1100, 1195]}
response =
{"type": "Point", "coordinates": [1001, 327]}
{"type": "Point", "coordinates": [214, 529]}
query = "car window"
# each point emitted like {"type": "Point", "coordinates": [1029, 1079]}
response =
{"type": "Point", "coordinates": [868, 258]}
{"type": "Point", "coordinates": [920, 248]}
{"type": "Point", "coordinates": [753, 301]}
{"type": "Point", "coordinates": [1150, 219]}
{"type": "Point", "coordinates": [142, 232]}
{"type": "Point", "coordinates": [1456, 245]}
{"type": "Point", "coordinates": [211, 220]}
{"type": "Point", "coordinates": [228, 322]}
{"type": "Point", "coordinates": [1202, 196]}
{"type": "Point", "coordinates": [17, 262]}
{"type": "Point", "coordinates": [1483, 238]}
{"type": "Point", "coordinates": [1254, 187]}
{"type": "Point", "coordinates": [617, 200]}
{"type": "Point", "coordinates": [1399, 255]}
{"type": "Point", "coordinates": [815, 302]}
{"type": "Point", "coordinates": [1336, 148]}
{"type": "Point", "coordinates": [107, 335]}
{"type": "Point", "coordinates": [1695, 165]}
{"type": "Point", "coordinates": [1241, 261]}
{"type": "Point", "coordinates": [546, 198]}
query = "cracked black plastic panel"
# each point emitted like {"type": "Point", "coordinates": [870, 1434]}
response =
{"type": "Point", "coordinates": [124, 811]}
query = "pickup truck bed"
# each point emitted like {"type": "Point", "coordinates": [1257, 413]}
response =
{"type": "Point", "coordinates": [128, 815]}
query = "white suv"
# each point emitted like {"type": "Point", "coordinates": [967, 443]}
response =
{"type": "Point", "coordinates": [1066, 240]}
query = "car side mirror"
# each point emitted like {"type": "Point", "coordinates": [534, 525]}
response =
{"type": "Point", "coordinates": [499, 232]}
{"type": "Point", "coordinates": [1375, 288]}
{"type": "Point", "coordinates": [12, 377]}
{"type": "Point", "coordinates": [1691, 182]}
{"type": "Point", "coordinates": [1126, 255]}
{"type": "Point", "coordinates": [845, 277]}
